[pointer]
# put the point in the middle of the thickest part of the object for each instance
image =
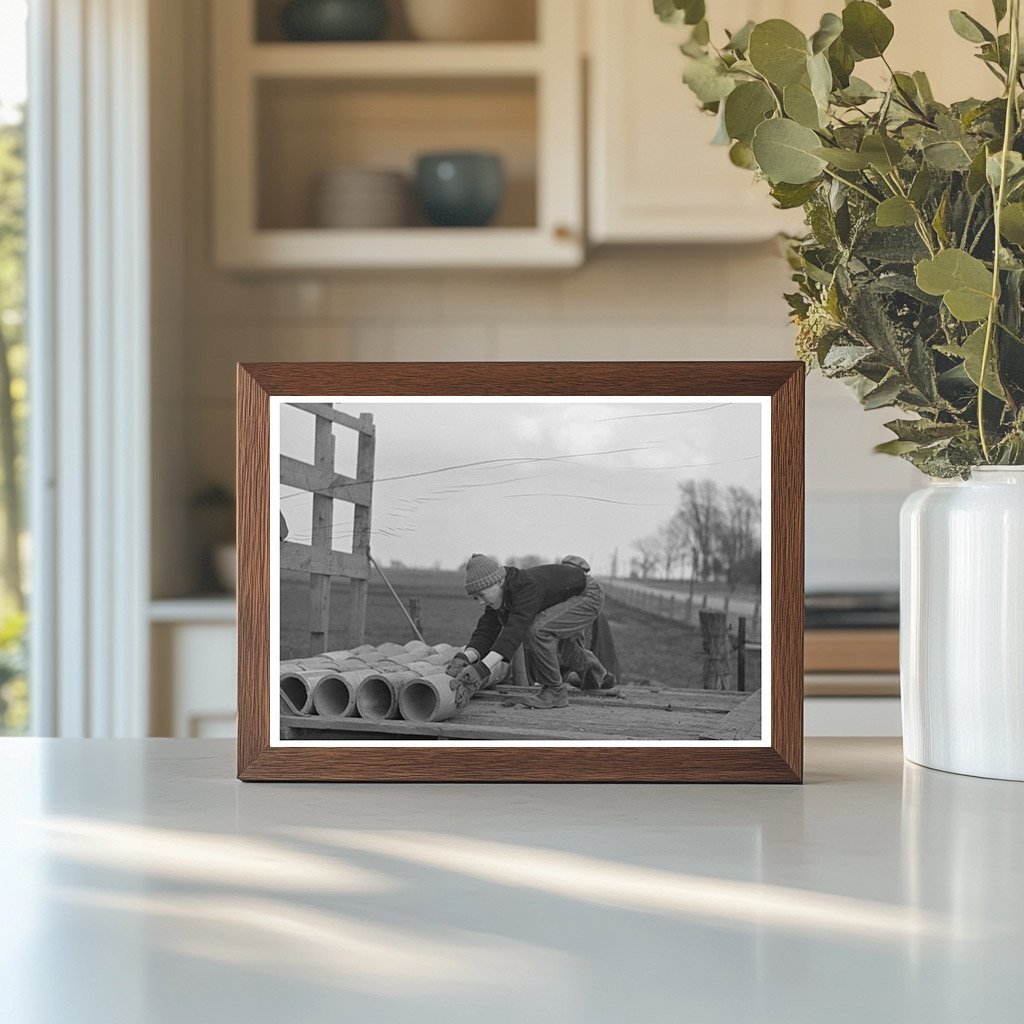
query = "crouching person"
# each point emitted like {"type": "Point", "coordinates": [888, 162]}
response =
{"type": "Point", "coordinates": [545, 609]}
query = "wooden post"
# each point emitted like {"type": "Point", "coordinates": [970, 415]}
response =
{"type": "Point", "coordinates": [416, 614]}
{"type": "Point", "coordinates": [318, 559]}
{"type": "Point", "coordinates": [361, 535]}
{"type": "Point", "coordinates": [741, 655]}
{"type": "Point", "coordinates": [715, 647]}
{"type": "Point", "coordinates": [321, 541]}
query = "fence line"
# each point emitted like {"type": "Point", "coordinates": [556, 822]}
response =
{"type": "Point", "coordinates": [681, 607]}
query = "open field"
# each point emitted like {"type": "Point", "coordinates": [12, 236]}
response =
{"type": "Point", "coordinates": [650, 650]}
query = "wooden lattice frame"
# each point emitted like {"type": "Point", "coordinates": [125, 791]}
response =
{"type": "Point", "coordinates": [318, 558]}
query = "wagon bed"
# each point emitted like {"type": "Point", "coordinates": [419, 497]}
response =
{"type": "Point", "coordinates": [637, 713]}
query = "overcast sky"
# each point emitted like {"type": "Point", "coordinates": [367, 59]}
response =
{"type": "Point", "coordinates": [550, 479]}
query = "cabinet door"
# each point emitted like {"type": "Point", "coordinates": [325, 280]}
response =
{"type": "Point", "coordinates": [653, 174]}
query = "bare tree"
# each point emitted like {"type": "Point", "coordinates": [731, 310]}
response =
{"type": "Point", "coordinates": [736, 533]}
{"type": "Point", "coordinates": [699, 511]}
{"type": "Point", "coordinates": [673, 543]}
{"type": "Point", "coordinates": [648, 555]}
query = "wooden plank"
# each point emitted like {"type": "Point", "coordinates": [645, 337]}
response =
{"type": "Point", "coordinates": [321, 541]}
{"type": "Point", "coordinates": [323, 480]}
{"type": "Point", "coordinates": [429, 730]}
{"type": "Point", "coordinates": [333, 413]}
{"type": "Point", "coordinates": [361, 532]}
{"type": "Point", "coordinates": [852, 650]}
{"type": "Point", "coordinates": [300, 558]}
{"type": "Point", "coordinates": [742, 723]}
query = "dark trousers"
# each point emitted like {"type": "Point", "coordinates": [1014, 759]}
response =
{"type": "Point", "coordinates": [553, 637]}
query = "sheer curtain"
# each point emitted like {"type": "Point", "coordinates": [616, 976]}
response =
{"type": "Point", "coordinates": [88, 301]}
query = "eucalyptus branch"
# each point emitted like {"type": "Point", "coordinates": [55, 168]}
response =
{"type": "Point", "coordinates": [771, 89]}
{"type": "Point", "coordinates": [977, 238]}
{"type": "Point", "coordinates": [993, 309]}
{"type": "Point", "coordinates": [853, 185]}
{"type": "Point", "coordinates": [923, 227]}
{"type": "Point", "coordinates": [969, 217]}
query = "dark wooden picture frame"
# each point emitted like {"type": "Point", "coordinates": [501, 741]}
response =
{"type": "Point", "coordinates": [781, 760]}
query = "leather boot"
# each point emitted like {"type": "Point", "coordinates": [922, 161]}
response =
{"type": "Point", "coordinates": [551, 697]}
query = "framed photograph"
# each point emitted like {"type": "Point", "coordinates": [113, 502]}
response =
{"type": "Point", "coordinates": [520, 572]}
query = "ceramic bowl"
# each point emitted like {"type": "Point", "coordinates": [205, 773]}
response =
{"type": "Point", "coordinates": [334, 20]}
{"type": "Point", "coordinates": [460, 189]}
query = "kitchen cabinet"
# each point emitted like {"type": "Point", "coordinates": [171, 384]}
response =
{"type": "Point", "coordinates": [287, 113]}
{"type": "Point", "coordinates": [653, 175]}
{"type": "Point", "coordinates": [193, 654]}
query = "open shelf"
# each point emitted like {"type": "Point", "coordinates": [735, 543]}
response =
{"type": "Point", "coordinates": [287, 113]}
{"type": "Point", "coordinates": [393, 60]}
{"type": "Point", "coordinates": [308, 127]}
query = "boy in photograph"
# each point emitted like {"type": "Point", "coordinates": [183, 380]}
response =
{"type": "Point", "coordinates": [545, 609]}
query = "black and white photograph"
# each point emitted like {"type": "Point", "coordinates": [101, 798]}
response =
{"type": "Point", "coordinates": [499, 571]}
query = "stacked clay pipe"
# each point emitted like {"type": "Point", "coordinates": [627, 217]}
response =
{"type": "Point", "coordinates": [373, 683]}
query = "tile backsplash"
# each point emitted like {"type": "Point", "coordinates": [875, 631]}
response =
{"type": "Point", "coordinates": [667, 302]}
{"type": "Point", "coordinates": [718, 302]}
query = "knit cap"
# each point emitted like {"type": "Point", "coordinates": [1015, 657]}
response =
{"type": "Point", "coordinates": [482, 571]}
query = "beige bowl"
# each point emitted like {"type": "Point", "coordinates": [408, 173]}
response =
{"type": "Point", "coordinates": [471, 20]}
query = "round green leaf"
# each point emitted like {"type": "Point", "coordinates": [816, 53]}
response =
{"type": "Point", "coordinates": [971, 352]}
{"type": "Point", "coordinates": [844, 159]}
{"type": "Point", "coordinates": [841, 62]}
{"type": "Point", "coordinates": [961, 279]}
{"type": "Point", "coordinates": [674, 12]}
{"type": "Point", "coordinates": [866, 29]}
{"type": "Point", "coordinates": [968, 28]}
{"type": "Point", "coordinates": [947, 156]}
{"type": "Point", "coordinates": [743, 156]}
{"type": "Point", "coordinates": [740, 39]}
{"type": "Point", "coordinates": [829, 30]}
{"type": "Point", "coordinates": [820, 75]}
{"type": "Point", "coordinates": [785, 152]}
{"type": "Point", "coordinates": [779, 51]}
{"type": "Point", "coordinates": [800, 105]}
{"type": "Point", "coordinates": [1011, 225]}
{"type": "Point", "coordinates": [883, 153]}
{"type": "Point", "coordinates": [707, 80]}
{"type": "Point", "coordinates": [896, 212]}
{"type": "Point", "coordinates": [746, 107]}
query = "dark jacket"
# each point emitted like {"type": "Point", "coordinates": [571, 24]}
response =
{"type": "Point", "coordinates": [526, 592]}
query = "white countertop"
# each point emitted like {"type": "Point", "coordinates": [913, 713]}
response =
{"type": "Point", "coordinates": [143, 884]}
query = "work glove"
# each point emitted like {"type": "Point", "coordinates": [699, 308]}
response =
{"type": "Point", "coordinates": [468, 681]}
{"type": "Point", "coordinates": [457, 664]}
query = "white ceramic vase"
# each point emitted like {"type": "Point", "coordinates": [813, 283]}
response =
{"type": "Point", "coordinates": [962, 624]}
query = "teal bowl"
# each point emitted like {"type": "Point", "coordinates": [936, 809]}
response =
{"type": "Point", "coordinates": [462, 190]}
{"type": "Point", "coordinates": [333, 21]}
